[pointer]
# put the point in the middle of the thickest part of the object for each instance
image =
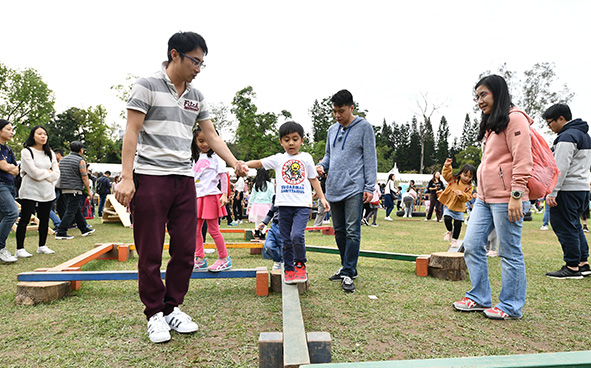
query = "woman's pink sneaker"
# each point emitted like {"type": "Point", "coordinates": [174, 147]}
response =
{"type": "Point", "coordinates": [220, 265]}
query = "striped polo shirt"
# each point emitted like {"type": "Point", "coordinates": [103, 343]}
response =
{"type": "Point", "coordinates": [164, 142]}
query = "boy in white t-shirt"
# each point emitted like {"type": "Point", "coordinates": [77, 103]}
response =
{"type": "Point", "coordinates": [293, 197]}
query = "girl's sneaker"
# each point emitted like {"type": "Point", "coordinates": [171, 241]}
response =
{"type": "Point", "coordinates": [289, 277]}
{"type": "Point", "coordinates": [200, 265]}
{"type": "Point", "coordinates": [277, 265]}
{"type": "Point", "coordinates": [447, 236]}
{"type": "Point", "coordinates": [220, 265]}
{"type": "Point", "coordinates": [491, 253]}
{"type": "Point", "coordinates": [22, 253]}
{"type": "Point", "coordinates": [454, 243]}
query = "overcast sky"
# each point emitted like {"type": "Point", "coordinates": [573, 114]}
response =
{"type": "Point", "coordinates": [385, 52]}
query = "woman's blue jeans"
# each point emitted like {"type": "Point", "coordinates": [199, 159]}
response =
{"type": "Point", "coordinates": [484, 218]}
{"type": "Point", "coordinates": [8, 211]}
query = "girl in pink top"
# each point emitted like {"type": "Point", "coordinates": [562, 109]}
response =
{"type": "Point", "coordinates": [502, 200]}
{"type": "Point", "coordinates": [209, 171]}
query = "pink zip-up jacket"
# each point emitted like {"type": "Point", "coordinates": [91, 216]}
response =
{"type": "Point", "coordinates": [506, 160]}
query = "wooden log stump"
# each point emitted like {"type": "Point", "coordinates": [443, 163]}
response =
{"type": "Point", "coordinates": [276, 283]}
{"type": "Point", "coordinates": [447, 266]}
{"type": "Point", "coordinates": [31, 293]}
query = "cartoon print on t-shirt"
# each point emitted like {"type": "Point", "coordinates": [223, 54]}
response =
{"type": "Point", "coordinates": [199, 167]}
{"type": "Point", "coordinates": [293, 172]}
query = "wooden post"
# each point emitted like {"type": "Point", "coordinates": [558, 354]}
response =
{"type": "Point", "coordinates": [262, 281]}
{"type": "Point", "coordinates": [422, 266]}
{"type": "Point", "coordinates": [448, 266]}
{"type": "Point", "coordinates": [271, 350]}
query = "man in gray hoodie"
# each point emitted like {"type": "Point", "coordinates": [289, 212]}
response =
{"type": "Point", "coordinates": [350, 163]}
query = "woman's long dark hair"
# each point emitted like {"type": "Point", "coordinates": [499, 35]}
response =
{"type": "Point", "coordinates": [261, 180]}
{"type": "Point", "coordinates": [30, 142]}
{"type": "Point", "coordinates": [498, 119]}
{"type": "Point", "coordinates": [195, 148]}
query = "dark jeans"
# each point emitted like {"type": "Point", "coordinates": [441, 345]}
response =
{"type": "Point", "coordinates": [434, 204]}
{"type": "Point", "coordinates": [346, 220]}
{"type": "Point", "coordinates": [72, 214]}
{"type": "Point", "coordinates": [27, 209]}
{"type": "Point", "coordinates": [566, 223]}
{"type": "Point", "coordinates": [237, 205]}
{"type": "Point", "coordinates": [162, 202]}
{"type": "Point", "coordinates": [292, 226]}
{"type": "Point", "coordinates": [388, 203]}
{"type": "Point", "coordinates": [8, 211]}
{"type": "Point", "coordinates": [102, 200]}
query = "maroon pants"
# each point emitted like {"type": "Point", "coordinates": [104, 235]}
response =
{"type": "Point", "coordinates": [161, 202]}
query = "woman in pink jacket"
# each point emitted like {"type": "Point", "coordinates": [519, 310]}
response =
{"type": "Point", "coordinates": [502, 200]}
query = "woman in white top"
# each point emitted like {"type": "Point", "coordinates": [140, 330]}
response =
{"type": "Point", "coordinates": [39, 172]}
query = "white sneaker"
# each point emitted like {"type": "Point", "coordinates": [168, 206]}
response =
{"type": "Point", "coordinates": [326, 222]}
{"type": "Point", "coordinates": [544, 227]}
{"type": "Point", "coordinates": [44, 250]}
{"type": "Point", "coordinates": [277, 265]}
{"type": "Point", "coordinates": [6, 257]}
{"type": "Point", "coordinates": [180, 322]}
{"type": "Point", "coordinates": [388, 218]}
{"type": "Point", "coordinates": [447, 236]}
{"type": "Point", "coordinates": [158, 329]}
{"type": "Point", "coordinates": [208, 250]}
{"type": "Point", "coordinates": [22, 253]}
{"type": "Point", "coordinates": [375, 225]}
{"type": "Point", "coordinates": [426, 220]}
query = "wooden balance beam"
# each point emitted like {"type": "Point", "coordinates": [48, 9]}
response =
{"type": "Point", "coordinates": [366, 253]}
{"type": "Point", "coordinates": [261, 274]}
{"type": "Point", "coordinates": [294, 347]}
{"type": "Point", "coordinates": [326, 230]}
{"type": "Point", "coordinates": [569, 359]}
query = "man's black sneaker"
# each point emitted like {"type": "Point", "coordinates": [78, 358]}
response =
{"type": "Point", "coordinates": [585, 270]}
{"type": "Point", "coordinates": [347, 284]}
{"type": "Point", "coordinates": [338, 277]}
{"type": "Point", "coordinates": [565, 273]}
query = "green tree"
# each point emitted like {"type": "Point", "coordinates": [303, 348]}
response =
{"type": "Point", "coordinates": [442, 146]}
{"type": "Point", "coordinates": [471, 155]}
{"type": "Point", "coordinates": [123, 91]}
{"type": "Point", "coordinates": [469, 134]}
{"type": "Point", "coordinates": [257, 134]}
{"type": "Point", "coordinates": [25, 100]}
{"type": "Point", "coordinates": [88, 126]}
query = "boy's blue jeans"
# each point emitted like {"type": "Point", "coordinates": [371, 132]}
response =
{"type": "Point", "coordinates": [292, 226]}
{"type": "Point", "coordinates": [273, 248]}
{"type": "Point", "coordinates": [484, 218]}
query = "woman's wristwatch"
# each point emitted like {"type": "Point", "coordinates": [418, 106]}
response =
{"type": "Point", "coordinates": [516, 194]}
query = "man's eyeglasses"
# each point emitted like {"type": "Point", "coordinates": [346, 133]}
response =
{"type": "Point", "coordinates": [481, 95]}
{"type": "Point", "coordinates": [196, 62]}
{"type": "Point", "coordinates": [550, 122]}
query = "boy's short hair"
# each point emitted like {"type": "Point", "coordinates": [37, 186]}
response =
{"type": "Point", "coordinates": [342, 98]}
{"type": "Point", "coordinates": [290, 127]}
{"type": "Point", "coordinates": [557, 110]}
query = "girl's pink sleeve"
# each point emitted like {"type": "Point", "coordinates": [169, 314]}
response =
{"type": "Point", "coordinates": [224, 179]}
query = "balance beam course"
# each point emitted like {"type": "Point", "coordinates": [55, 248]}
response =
{"type": "Point", "coordinates": [540, 360]}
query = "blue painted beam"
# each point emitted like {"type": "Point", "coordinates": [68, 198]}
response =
{"type": "Point", "coordinates": [127, 275]}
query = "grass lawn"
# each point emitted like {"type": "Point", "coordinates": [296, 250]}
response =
{"type": "Point", "coordinates": [102, 324]}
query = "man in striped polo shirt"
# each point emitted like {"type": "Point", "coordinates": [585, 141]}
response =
{"type": "Point", "coordinates": [157, 179]}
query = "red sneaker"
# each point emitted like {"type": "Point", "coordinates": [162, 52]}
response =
{"type": "Point", "coordinates": [289, 277]}
{"type": "Point", "coordinates": [301, 274]}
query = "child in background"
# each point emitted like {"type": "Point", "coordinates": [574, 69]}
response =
{"type": "Point", "coordinates": [372, 208]}
{"type": "Point", "coordinates": [209, 170]}
{"type": "Point", "coordinates": [273, 248]}
{"type": "Point", "coordinates": [296, 174]}
{"type": "Point", "coordinates": [454, 198]}
{"type": "Point", "coordinates": [261, 197]}
{"type": "Point", "coordinates": [470, 205]}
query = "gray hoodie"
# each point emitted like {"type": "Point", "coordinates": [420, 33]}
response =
{"type": "Point", "coordinates": [350, 160]}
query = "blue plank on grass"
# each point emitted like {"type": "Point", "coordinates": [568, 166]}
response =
{"type": "Point", "coordinates": [126, 275]}
{"type": "Point", "coordinates": [542, 360]}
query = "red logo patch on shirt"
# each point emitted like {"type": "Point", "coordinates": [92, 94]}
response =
{"type": "Point", "coordinates": [192, 105]}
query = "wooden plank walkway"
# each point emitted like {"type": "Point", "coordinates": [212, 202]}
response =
{"type": "Point", "coordinates": [541, 360]}
{"type": "Point", "coordinates": [366, 253]}
{"type": "Point", "coordinates": [295, 343]}
{"type": "Point", "coordinates": [127, 275]}
{"type": "Point", "coordinates": [243, 245]}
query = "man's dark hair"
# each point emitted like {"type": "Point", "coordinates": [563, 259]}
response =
{"type": "Point", "coordinates": [76, 146]}
{"type": "Point", "coordinates": [59, 150]}
{"type": "Point", "coordinates": [290, 127]}
{"type": "Point", "coordinates": [557, 110]}
{"type": "Point", "coordinates": [342, 98]}
{"type": "Point", "coordinates": [107, 172]}
{"type": "Point", "coordinates": [186, 42]}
